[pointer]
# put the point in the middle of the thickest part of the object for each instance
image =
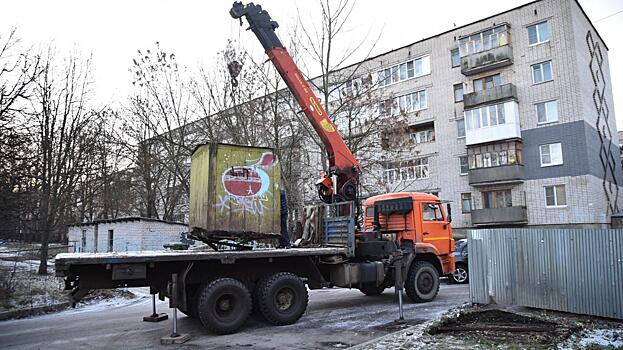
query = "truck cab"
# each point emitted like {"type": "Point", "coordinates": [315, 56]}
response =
{"type": "Point", "coordinates": [418, 223]}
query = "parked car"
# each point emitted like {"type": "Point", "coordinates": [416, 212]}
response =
{"type": "Point", "coordinates": [461, 274]}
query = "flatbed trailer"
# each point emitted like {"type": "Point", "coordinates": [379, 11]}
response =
{"type": "Point", "coordinates": [189, 279]}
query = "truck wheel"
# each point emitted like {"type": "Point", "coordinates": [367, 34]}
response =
{"type": "Point", "coordinates": [282, 298]}
{"type": "Point", "coordinates": [223, 305]}
{"type": "Point", "coordinates": [422, 282]}
{"type": "Point", "coordinates": [371, 289]}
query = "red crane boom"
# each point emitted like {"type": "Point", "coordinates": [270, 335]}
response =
{"type": "Point", "coordinates": [343, 166]}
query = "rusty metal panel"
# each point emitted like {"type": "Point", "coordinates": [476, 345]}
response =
{"type": "Point", "coordinates": [234, 192]}
{"type": "Point", "coordinates": [572, 270]}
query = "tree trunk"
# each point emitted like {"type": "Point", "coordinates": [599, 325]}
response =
{"type": "Point", "coordinates": [44, 229]}
{"type": "Point", "coordinates": [43, 256]}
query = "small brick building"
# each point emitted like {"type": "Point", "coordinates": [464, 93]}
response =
{"type": "Point", "coordinates": [126, 234]}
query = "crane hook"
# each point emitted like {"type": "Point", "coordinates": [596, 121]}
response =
{"type": "Point", "coordinates": [234, 68]}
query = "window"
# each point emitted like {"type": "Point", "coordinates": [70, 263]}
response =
{"type": "Point", "coordinates": [483, 41]}
{"type": "Point", "coordinates": [403, 71]}
{"type": "Point", "coordinates": [493, 159]}
{"type": "Point", "coordinates": [485, 116]}
{"type": "Point", "coordinates": [555, 196]}
{"type": "Point", "coordinates": [551, 154]}
{"type": "Point", "coordinates": [110, 240]}
{"type": "Point", "coordinates": [414, 101]}
{"type": "Point", "coordinates": [423, 136]}
{"type": "Point", "coordinates": [460, 128]}
{"type": "Point", "coordinates": [431, 212]}
{"type": "Point", "coordinates": [538, 33]}
{"type": "Point", "coordinates": [411, 170]}
{"type": "Point", "coordinates": [547, 112]}
{"type": "Point", "coordinates": [497, 199]}
{"type": "Point", "coordinates": [487, 82]}
{"type": "Point", "coordinates": [542, 72]}
{"type": "Point", "coordinates": [463, 164]}
{"type": "Point", "coordinates": [466, 202]}
{"type": "Point", "coordinates": [458, 92]}
{"type": "Point", "coordinates": [84, 240]}
{"type": "Point", "coordinates": [348, 89]}
{"type": "Point", "coordinates": [456, 57]}
{"type": "Point", "coordinates": [95, 240]}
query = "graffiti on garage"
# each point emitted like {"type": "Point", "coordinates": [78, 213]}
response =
{"type": "Point", "coordinates": [247, 187]}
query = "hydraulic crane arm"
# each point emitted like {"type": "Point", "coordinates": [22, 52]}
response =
{"type": "Point", "coordinates": [343, 167]}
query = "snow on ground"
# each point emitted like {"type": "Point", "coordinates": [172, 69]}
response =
{"type": "Point", "coordinates": [611, 338]}
{"type": "Point", "coordinates": [100, 304]}
{"type": "Point", "coordinates": [21, 287]}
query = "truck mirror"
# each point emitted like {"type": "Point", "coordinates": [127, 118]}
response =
{"type": "Point", "coordinates": [449, 212]}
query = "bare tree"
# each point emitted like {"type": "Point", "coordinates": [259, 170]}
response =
{"type": "Point", "coordinates": [160, 115]}
{"type": "Point", "coordinates": [351, 93]}
{"type": "Point", "coordinates": [18, 69]}
{"type": "Point", "coordinates": [63, 129]}
{"type": "Point", "coordinates": [104, 190]}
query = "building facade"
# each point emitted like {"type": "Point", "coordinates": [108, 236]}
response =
{"type": "Point", "coordinates": [126, 234]}
{"type": "Point", "coordinates": [511, 119]}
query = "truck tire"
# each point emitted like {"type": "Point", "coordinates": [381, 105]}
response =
{"type": "Point", "coordinates": [422, 284]}
{"type": "Point", "coordinates": [223, 305]}
{"type": "Point", "coordinates": [371, 289]}
{"type": "Point", "coordinates": [282, 298]}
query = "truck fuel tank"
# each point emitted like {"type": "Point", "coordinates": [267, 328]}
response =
{"type": "Point", "coordinates": [349, 275]}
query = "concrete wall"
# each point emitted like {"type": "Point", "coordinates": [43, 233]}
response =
{"type": "Point", "coordinates": [127, 236]}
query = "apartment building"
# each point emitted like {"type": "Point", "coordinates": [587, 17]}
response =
{"type": "Point", "coordinates": [511, 119]}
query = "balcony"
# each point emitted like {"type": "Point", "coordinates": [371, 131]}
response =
{"type": "Point", "coordinates": [485, 124]}
{"type": "Point", "coordinates": [500, 216]}
{"type": "Point", "coordinates": [496, 175]}
{"type": "Point", "coordinates": [496, 57]}
{"type": "Point", "coordinates": [495, 94]}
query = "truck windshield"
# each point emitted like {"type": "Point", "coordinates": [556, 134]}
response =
{"type": "Point", "coordinates": [431, 212]}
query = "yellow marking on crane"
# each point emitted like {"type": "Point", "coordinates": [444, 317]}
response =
{"type": "Point", "coordinates": [314, 106]}
{"type": "Point", "coordinates": [327, 125]}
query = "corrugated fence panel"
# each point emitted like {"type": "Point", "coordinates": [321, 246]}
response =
{"type": "Point", "coordinates": [572, 270]}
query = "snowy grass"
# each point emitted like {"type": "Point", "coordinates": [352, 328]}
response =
{"type": "Point", "coordinates": [21, 287]}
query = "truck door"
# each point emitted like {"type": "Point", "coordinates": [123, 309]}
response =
{"type": "Point", "coordinates": [435, 227]}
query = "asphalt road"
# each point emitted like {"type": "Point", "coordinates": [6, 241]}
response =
{"type": "Point", "coordinates": [335, 318]}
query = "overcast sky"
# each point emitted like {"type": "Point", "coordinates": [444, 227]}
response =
{"type": "Point", "coordinates": [195, 30]}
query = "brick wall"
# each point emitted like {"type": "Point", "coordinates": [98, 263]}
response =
{"type": "Point", "coordinates": [137, 235]}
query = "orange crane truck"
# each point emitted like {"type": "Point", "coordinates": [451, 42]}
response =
{"type": "Point", "coordinates": [406, 239]}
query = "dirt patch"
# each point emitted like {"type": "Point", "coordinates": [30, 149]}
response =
{"type": "Point", "coordinates": [397, 326]}
{"type": "Point", "coordinates": [497, 326]}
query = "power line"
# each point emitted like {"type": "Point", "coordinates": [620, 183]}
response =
{"type": "Point", "coordinates": [616, 13]}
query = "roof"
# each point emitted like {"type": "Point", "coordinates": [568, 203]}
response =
{"type": "Point", "coordinates": [416, 196]}
{"type": "Point", "coordinates": [469, 24]}
{"type": "Point", "coordinates": [126, 219]}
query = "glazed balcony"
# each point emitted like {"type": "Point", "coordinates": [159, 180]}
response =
{"type": "Point", "coordinates": [486, 49]}
{"type": "Point", "coordinates": [497, 57]}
